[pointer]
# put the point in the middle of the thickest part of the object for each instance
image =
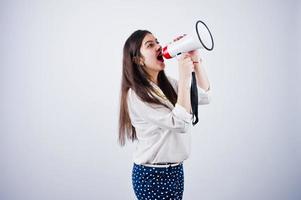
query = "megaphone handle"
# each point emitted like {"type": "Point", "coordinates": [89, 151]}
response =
{"type": "Point", "coordinates": [194, 99]}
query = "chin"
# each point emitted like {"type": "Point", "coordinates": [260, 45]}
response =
{"type": "Point", "coordinates": [162, 66]}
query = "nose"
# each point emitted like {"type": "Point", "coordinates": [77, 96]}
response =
{"type": "Point", "coordinates": [159, 47]}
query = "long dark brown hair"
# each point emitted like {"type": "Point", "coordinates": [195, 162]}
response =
{"type": "Point", "coordinates": [134, 76]}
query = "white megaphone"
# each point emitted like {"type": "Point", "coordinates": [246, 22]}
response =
{"type": "Point", "coordinates": [201, 38]}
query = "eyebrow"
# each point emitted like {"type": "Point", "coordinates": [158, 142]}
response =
{"type": "Point", "coordinates": [150, 41]}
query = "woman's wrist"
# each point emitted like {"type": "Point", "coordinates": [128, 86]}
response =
{"type": "Point", "coordinates": [184, 83]}
{"type": "Point", "coordinates": [197, 61]}
{"type": "Point", "coordinates": [197, 64]}
{"type": "Point", "coordinates": [184, 78]}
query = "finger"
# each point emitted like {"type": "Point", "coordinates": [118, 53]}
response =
{"type": "Point", "coordinates": [188, 59]}
{"type": "Point", "coordinates": [189, 62]}
{"type": "Point", "coordinates": [186, 55]}
{"type": "Point", "coordinates": [182, 57]}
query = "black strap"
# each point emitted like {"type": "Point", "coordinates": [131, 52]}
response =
{"type": "Point", "coordinates": [194, 99]}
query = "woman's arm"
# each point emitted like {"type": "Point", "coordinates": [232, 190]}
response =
{"type": "Point", "coordinates": [201, 76]}
{"type": "Point", "coordinates": [200, 73]}
{"type": "Point", "coordinates": [177, 119]}
{"type": "Point", "coordinates": [185, 69]}
{"type": "Point", "coordinates": [204, 96]}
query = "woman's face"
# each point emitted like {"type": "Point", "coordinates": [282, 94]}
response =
{"type": "Point", "coordinates": [152, 54]}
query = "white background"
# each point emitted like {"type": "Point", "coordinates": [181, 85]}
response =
{"type": "Point", "coordinates": [60, 73]}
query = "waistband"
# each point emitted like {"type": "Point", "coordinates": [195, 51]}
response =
{"type": "Point", "coordinates": [162, 165]}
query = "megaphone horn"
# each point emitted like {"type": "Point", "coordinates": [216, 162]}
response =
{"type": "Point", "coordinates": [201, 38]}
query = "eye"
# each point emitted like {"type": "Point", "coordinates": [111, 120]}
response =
{"type": "Point", "coordinates": [150, 45]}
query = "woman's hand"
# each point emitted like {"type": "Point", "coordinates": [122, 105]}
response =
{"type": "Point", "coordinates": [185, 63]}
{"type": "Point", "coordinates": [185, 66]}
{"type": "Point", "coordinates": [185, 69]}
{"type": "Point", "coordinates": [195, 56]}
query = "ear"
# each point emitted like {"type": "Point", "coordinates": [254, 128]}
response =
{"type": "Point", "coordinates": [138, 60]}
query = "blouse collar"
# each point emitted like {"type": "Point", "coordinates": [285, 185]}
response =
{"type": "Point", "coordinates": [161, 95]}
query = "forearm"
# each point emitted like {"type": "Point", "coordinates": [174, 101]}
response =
{"type": "Point", "coordinates": [184, 94]}
{"type": "Point", "coordinates": [201, 76]}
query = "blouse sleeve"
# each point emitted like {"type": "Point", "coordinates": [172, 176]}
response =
{"type": "Point", "coordinates": [177, 119]}
{"type": "Point", "coordinates": [204, 97]}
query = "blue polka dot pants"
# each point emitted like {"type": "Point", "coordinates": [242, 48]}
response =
{"type": "Point", "coordinates": [153, 183]}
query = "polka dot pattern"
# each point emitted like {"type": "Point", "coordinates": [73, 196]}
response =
{"type": "Point", "coordinates": [153, 183]}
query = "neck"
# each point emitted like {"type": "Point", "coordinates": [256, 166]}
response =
{"type": "Point", "coordinates": [153, 76]}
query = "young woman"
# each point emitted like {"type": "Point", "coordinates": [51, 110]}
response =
{"type": "Point", "coordinates": [155, 111]}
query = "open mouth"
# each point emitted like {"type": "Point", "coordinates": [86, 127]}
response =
{"type": "Point", "coordinates": [160, 57]}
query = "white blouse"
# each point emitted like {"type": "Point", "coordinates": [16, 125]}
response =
{"type": "Point", "coordinates": [163, 133]}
